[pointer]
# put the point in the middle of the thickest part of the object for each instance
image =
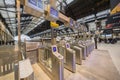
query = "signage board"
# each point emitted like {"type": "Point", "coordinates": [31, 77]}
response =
{"type": "Point", "coordinates": [53, 13]}
{"type": "Point", "coordinates": [54, 49]}
{"type": "Point", "coordinates": [33, 7]}
{"type": "Point", "coordinates": [54, 25]}
{"type": "Point", "coordinates": [36, 4]}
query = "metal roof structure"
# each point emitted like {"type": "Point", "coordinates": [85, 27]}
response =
{"type": "Point", "coordinates": [81, 8]}
{"type": "Point", "coordinates": [31, 25]}
{"type": "Point", "coordinates": [8, 13]}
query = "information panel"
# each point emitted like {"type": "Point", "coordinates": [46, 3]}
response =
{"type": "Point", "coordinates": [53, 12]}
{"type": "Point", "coordinates": [54, 49]}
{"type": "Point", "coordinates": [36, 4]}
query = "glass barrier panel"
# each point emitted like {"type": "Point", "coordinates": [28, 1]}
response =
{"type": "Point", "coordinates": [8, 58]}
{"type": "Point", "coordinates": [45, 57]}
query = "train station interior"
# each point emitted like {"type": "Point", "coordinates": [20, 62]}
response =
{"type": "Point", "coordinates": [59, 39]}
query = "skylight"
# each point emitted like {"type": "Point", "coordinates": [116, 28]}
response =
{"type": "Point", "coordinates": [69, 1]}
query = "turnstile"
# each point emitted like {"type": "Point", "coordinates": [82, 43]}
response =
{"type": "Point", "coordinates": [58, 67]}
{"type": "Point", "coordinates": [84, 51]}
{"type": "Point", "coordinates": [69, 58]}
{"type": "Point", "coordinates": [78, 53]}
{"type": "Point", "coordinates": [51, 63]}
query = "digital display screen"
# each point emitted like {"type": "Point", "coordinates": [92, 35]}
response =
{"type": "Point", "coordinates": [54, 49]}
{"type": "Point", "coordinates": [53, 12]}
{"type": "Point", "coordinates": [33, 2]}
{"type": "Point", "coordinates": [36, 4]}
{"type": "Point", "coordinates": [40, 5]}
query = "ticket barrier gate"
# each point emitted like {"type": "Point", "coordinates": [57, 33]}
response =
{"type": "Point", "coordinates": [87, 49]}
{"type": "Point", "coordinates": [62, 51]}
{"type": "Point", "coordinates": [70, 60]}
{"type": "Point", "coordinates": [84, 51]}
{"type": "Point", "coordinates": [78, 53]}
{"type": "Point", "coordinates": [69, 57]}
{"type": "Point", "coordinates": [90, 48]}
{"type": "Point", "coordinates": [52, 63]}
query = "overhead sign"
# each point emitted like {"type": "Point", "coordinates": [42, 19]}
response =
{"type": "Point", "coordinates": [33, 7]}
{"type": "Point", "coordinates": [36, 4]}
{"type": "Point", "coordinates": [53, 12]}
{"type": "Point", "coordinates": [54, 25]}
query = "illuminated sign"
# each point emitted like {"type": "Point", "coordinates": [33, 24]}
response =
{"type": "Point", "coordinates": [54, 49]}
{"type": "Point", "coordinates": [33, 7]}
{"type": "Point", "coordinates": [33, 2]}
{"type": "Point", "coordinates": [40, 5]}
{"type": "Point", "coordinates": [54, 25]}
{"type": "Point", "coordinates": [36, 4]}
{"type": "Point", "coordinates": [53, 12]}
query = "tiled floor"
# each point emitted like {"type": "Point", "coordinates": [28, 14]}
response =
{"type": "Point", "coordinates": [98, 66]}
{"type": "Point", "coordinates": [114, 50]}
